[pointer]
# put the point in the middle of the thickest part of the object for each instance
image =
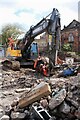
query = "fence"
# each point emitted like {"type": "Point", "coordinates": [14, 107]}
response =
{"type": "Point", "coordinates": [2, 52]}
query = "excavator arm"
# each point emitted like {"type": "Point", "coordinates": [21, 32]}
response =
{"type": "Point", "coordinates": [51, 26]}
{"type": "Point", "coordinates": [33, 32]}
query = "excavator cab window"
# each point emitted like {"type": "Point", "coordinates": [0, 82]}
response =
{"type": "Point", "coordinates": [34, 50]}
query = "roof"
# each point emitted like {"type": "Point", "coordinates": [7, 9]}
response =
{"type": "Point", "coordinates": [72, 25]}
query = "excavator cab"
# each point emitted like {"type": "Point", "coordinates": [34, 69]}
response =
{"type": "Point", "coordinates": [29, 56]}
{"type": "Point", "coordinates": [31, 52]}
{"type": "Point", "coordinates": [34, 50]}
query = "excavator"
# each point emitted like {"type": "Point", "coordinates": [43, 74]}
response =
{"type": "Point", "coordinates": [29, 51]}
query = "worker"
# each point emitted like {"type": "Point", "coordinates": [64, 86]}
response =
{"type": "Point", "coordinates": [38, 62]}
{"type": "Point", "coordinates": [45, 69]}
{"type": "Point", "coordinates": [41, 66]}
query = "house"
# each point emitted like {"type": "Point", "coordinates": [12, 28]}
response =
{"type": "Point", "coordinates": [71, 34]}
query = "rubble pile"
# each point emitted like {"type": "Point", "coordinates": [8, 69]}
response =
{"type": "Point", "coordinates": [27, 95]}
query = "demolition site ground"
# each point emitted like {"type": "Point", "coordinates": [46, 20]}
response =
{"type": "Point", "coordinates": [60, 100]}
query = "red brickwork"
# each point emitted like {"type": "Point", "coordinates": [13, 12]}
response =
{"type": "Point", "coordinates": [75, 31]}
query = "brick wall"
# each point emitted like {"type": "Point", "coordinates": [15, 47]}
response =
{"type": "Point", "coordinates": [65, 39]}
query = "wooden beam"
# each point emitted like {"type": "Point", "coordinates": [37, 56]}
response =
{"type": "Point", "coordinates": [41, 90]}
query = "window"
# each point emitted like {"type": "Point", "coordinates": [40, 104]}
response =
{"type": "Point", "coordinates": [71, 38]}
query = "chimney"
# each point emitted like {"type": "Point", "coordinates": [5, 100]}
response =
{"type": "Point", "coordinates": [79, 11]}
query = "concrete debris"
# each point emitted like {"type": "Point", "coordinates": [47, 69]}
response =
{"type": "Point", "coordinates": [22, 90]}
{"type": "Point", "coordinates": [17, 115]}
{"type": "Point", "coordinates": [1, 112]}
{"type": "Point", "coordinates": [72, 102]}
{"type": "Point", "coordinates": [5, 117]}
{"type": "Point", "coordinates": [28, 95]}
{"type": "Point", "coordinates": [64, 108]}
{"type": "Point", "coordinates": [41, 90]}
{"type": "Point", "coordinates": [57, 99]}
{"type": "Point", "coordinates": [77, 113]}
{"type": "Point", "coordinates": [44, 103]}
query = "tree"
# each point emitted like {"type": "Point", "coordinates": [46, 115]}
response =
{"type": "Point", "coordinates": [67, 47]}
{"type": "Point", "coordinates": [10, 31]}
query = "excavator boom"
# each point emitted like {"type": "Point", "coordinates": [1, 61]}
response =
{"type": "Point", "coordinates": [51, 25]}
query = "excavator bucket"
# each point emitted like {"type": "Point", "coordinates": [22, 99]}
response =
{"type": "Point", "coordinates": [14, 65]}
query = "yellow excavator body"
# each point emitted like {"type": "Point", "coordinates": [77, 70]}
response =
{"type": "Point", "coordinates": [13, 52]}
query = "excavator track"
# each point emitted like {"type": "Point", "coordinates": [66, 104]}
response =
{"type": "Point", "coordinates": [14, 65]}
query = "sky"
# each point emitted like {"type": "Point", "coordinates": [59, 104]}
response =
{"type": "Point", "coordinates": [29, 12]}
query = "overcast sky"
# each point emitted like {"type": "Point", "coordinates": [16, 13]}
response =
{"type": "Point", "coordinates": [30, 12]}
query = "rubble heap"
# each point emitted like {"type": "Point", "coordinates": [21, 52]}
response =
{"type": "Point", "coordinates": [27, 95]}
